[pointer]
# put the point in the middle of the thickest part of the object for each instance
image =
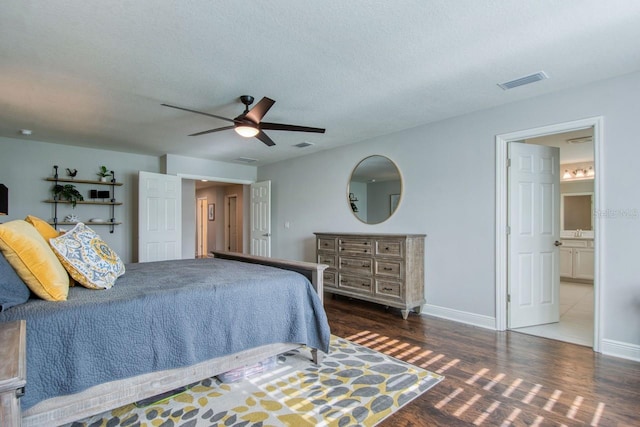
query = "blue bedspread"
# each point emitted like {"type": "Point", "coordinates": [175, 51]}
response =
{"type": "Point", "coordinates": [164, 315]}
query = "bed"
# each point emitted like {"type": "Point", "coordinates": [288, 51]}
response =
{"type": "Point", "coordinates": [239, 310]}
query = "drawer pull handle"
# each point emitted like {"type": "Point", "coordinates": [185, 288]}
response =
{"type": "Point", "coordinates": [365, 251]}
{"type": "Point", "coordinates": [387, 248]}
{"type": "Point", "coordinates": [365, 265]}
{"type": "Point", "coordinates": [366, 285]}
{"type": "Point", "coordinates": [387, 289]}
{"type": "Point", "coordinates": [387, 268]}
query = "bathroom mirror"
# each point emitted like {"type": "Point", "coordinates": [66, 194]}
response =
{"type": "Point", "coordinates": [375, 189]}
{"type": "Point", "coordinates": [577, 214]}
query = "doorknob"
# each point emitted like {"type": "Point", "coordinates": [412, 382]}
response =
{"type": "Point", "coordinates": [557, 243]}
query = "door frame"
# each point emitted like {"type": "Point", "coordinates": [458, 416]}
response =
{"type": "Point", "coordinates": [227, 226]}
{"type": "Point", "coordinates": [501, 238]}
{"type": "Point", "coordinates": [202, 226]}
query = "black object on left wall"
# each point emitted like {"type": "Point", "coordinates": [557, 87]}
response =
{"type": "Point", "coordinates": [4, 200]}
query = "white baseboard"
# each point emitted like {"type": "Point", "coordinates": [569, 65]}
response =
{"type": "Point", "coordinates": [609, 347]}
{"type": "Point", "coordinates": [479, 320]}
{"type": "Point", "coordinates": [620, 349]}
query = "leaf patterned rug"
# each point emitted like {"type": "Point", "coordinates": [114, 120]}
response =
{"type": "Point", "coordinates": [354, 385]}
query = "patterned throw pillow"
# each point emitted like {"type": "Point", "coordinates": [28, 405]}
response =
{"type": "Point", "coordinates": [87, 258]}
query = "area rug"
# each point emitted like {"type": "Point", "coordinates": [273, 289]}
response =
{"type": "Point", "coordinates": [354, 385]}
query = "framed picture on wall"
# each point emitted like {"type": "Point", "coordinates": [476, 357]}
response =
{"type": "Point", "coordinates": [212, 211]}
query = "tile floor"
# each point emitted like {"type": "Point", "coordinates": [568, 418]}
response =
{"type": "Point", "coordinates": [576, 316]}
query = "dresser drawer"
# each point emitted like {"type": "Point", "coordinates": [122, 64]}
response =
{"type": "Point", "coordinates": [329, 278]}
{"type": "Point", "coordinates": [356, 246]}
{"type": "Point", "coordinates": [356, 265]}
{"type": "Point", "coordinates": [326, 244]}
{"type": "Point", "coordinates": [328, 259]}
{"type": "Point", "coordinates": [389, 248]}
{"type": "Point", "coordinates": [387, 288]}
{"type": "Point", "coordinates": [388, 268]}
{"type": "Point", "coordinates": [360, 284]}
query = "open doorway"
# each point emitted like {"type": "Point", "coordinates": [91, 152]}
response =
{"type": "Point", "coordinates": [594, 125]}
{"type": "Point", "coordinates": [217, 216]}
{"type": "Point", "coordinates": [576, 250]}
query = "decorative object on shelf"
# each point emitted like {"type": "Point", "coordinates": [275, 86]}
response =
{"type": "Point", "coordinates": [71, 218]}
{"type": "Point", "coordinates": [4, 200]}
{"type": "Point", "coordinates": [212, 212]}
{"type": "Point", "coordinates": [97, 220]}
{"type": "Point", "coordinates": [104, 173]}
{"type": "Point", "coordinates": [72, 172]}
{"type": "Point", "coordinates": [67, 192]}
{"type": "Point", "coordinates": [103, 194]}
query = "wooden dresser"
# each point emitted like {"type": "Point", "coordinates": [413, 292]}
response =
{"type": "Point", "coordinates": [383, 268]}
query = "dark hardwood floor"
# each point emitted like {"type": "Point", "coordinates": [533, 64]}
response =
{"type": "Point", "coordinates": [494, 378]}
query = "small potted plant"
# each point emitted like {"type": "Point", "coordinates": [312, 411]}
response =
{"type": "Point", "coordinates": [67, 192]}
{"type": "Point", "coordinates": [103, 174]}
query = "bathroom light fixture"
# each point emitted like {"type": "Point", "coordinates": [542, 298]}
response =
{"type": "Point", "coordinates": [246, 131]}
{"type": "Point", "coordinates": [578, 173]}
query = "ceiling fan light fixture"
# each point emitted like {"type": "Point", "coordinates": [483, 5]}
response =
{"type": "Point", "coordinates": [246, 131]}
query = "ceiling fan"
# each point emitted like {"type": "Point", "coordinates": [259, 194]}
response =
{"type": "Point", "coordinates": [249, 123]}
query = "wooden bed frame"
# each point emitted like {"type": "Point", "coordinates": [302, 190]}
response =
{"type": "Point", "coordinates": [107, 396]}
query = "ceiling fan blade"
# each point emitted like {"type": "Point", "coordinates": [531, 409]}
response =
{"type": "Point", "coordinates": [264, 138]}
{"type": "Point", "coordinates": [199, 112]}
{"type": "Point", "coordinates": [294, 128]}
{"type": "Point", "coordinates": [260, 109]}
{"type": "Point", "coordinates": [212, 130]}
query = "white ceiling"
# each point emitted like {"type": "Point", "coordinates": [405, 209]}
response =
{"type": "Point", "coordinates": [94, 73]}
{"type": "Point", "coordinates": [575, 146]}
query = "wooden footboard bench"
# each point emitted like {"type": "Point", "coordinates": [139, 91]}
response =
{"type": "Point", "coordinates": [110, 395]}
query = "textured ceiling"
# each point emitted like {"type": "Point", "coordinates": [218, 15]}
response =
{"type": "Point", "coordinates": [94, 73]}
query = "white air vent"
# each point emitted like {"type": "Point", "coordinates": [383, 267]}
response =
{"type": "Point", "coordinates": [303, 144]}
{"type": "Point", "coordinates": [245, 160]}
{"type": "Point", "coordinates": [580, 140]}
{"type": "Point", "coordinates": [532, 78]}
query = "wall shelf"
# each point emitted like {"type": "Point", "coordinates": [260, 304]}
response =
{"type": "Point", "coordinates": [84, 202]}
{"type": "Point", "coordinates": [87, 223]}
{"type": "Point", "coordinates": [106, 201]}
{"type": "Point", "coordinates": [83, 181]}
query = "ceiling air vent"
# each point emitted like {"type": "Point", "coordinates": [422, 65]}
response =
{"type": "Point", "coordinates": [580, 140]}
{"type": "Point", "coordinates": [303, 144]}
{"type": "Point", "coordinates": [245, 160]}
{"type": "Point", "coordinates": [532, 78]}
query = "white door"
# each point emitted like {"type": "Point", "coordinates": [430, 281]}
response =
{"type": "Point", "coordinates": [261, 218]}
{"type": "Point", "coordinates": [534, 220]}
{"type": "Point", "coordinates": [159, 217]}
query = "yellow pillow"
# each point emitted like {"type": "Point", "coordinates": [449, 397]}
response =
{"type": "Point", "coordinates": [34, 261]}
{"type": "Point", "coordinates": [44, 228]}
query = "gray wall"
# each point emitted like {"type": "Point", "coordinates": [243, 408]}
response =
{"type": "Point", "coordinates": [448, 169]}
{"type": "Point", "coordinates": [24, 164]}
